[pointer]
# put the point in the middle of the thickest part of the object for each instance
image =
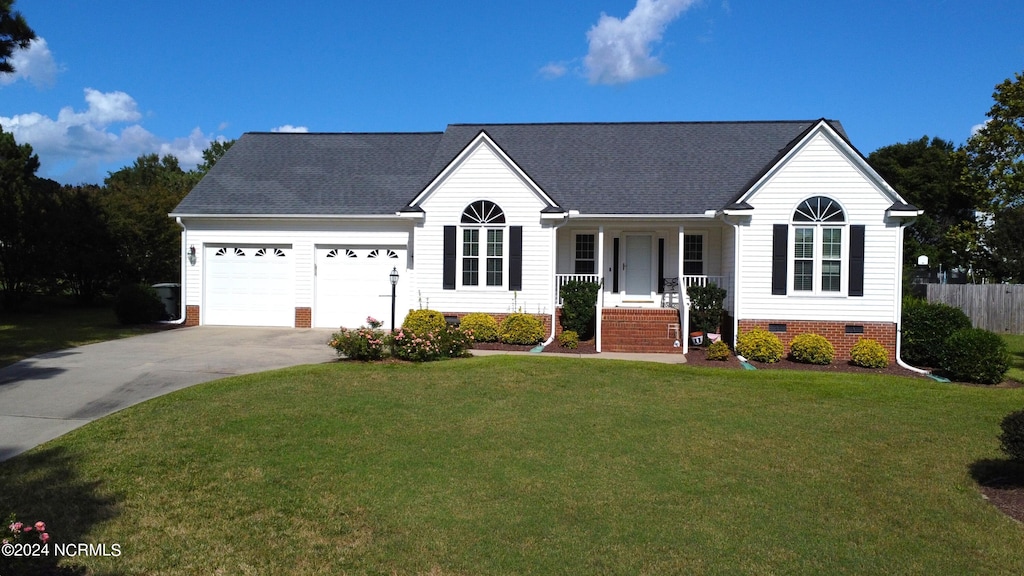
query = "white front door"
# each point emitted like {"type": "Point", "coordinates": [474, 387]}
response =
{"type": "Point", "coordinates": [637, 264]}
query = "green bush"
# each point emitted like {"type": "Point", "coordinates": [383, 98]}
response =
{"type": "Point", "coordinates": [975, 355]}
{"type": "Point", "coordinates": [812, 349]}
{"type": "Point", "coordinates": [138, 304]}
{"type": "Point", "coordinates": [718, 351]}
{"type": "Point", "coordinates": [579, 307]}
{"type": "Point", "coordinates": [869, 354]}
{"type": "Point", "coordinates": [448, 342]}
{"type": "Point", "coordinates": [759, 345]}
{"type": "Point", "coordinates": [706, 304]}
{"type": "Point", "coordinates": [569, 339]}
{"type": "Point", "coordinates": [925, 330]}
{"type": "Point", "coordinates": [520, 328]}
{"type": "Point", "coordinates": [365, 343]}
{"type": "Point", "coordinates": [421, 322]}
{"type": "Point", "coordinates": [1012, 438]}
{"type": "Point", "coordinates": [483, 326]}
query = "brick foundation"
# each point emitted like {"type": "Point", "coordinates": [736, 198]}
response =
{"type": "Point", "coordinates": [639, 330]}
{"type": "Point", "coordinates": [834, 332]}
{"type": "Point", "coordinates": [303, 317]}
{"type": "Point", "coordinates": [191, 315]}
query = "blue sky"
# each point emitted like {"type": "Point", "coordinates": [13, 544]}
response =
{"type": "Point", "coordinates": [110, 80]}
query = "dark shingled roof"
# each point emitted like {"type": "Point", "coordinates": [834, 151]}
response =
{"type": "Point", "coordinates": [606, 168]}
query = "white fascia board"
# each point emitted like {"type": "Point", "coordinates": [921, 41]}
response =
{"type": "Point", "coordinates": [903, 213]}
{"type": "Point", "coordinates": [289, 216]}
{"type": "Point", "coordinates": [710, 214]}
{"type": "Point", "coordinates": [746, 212]}
{"type": "Point", "coordinates": [481, 139]}
{"type": "Point", "coordinates": [553, 216]}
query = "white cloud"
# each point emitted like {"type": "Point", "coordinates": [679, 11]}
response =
{"type": "Point", "coordinates": [79, 146]}
{"type": "Point", "coordinates": [290, 128]}
{"type": "Point", "coordinates": [620, 50]}
{"type": "Point", "coordinates": [35, 64]}
{"type": "Point", "coordinates": [553, 70]}
{"type": "Point", "coordinates": [978, 127]}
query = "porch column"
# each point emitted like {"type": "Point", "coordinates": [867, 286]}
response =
{"type": "Point", "coordinates": [684, 310]}
{"type": "Point", "coordinates": [600, 291]}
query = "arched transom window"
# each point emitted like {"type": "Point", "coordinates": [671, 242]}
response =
{"type": "Point", "coordinates": [818, 245]}
{"type": "Point", "coordinates": [483, 222]}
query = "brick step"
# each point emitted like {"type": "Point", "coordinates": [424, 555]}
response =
{"type": "Point", "coordinates": [639, 330]}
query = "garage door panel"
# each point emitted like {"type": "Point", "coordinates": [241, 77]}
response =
{"type": "Point", "coordinates": [353, 283]}
{"type": "Point", "coordinates": [249, 286]}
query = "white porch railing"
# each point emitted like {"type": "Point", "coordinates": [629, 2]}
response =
{"type": "Point", "coordinates": [704, 281]}
{"type": "Point", "coordinates": [561, 279]}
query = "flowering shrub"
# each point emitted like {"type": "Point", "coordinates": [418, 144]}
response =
{"type": "Point", "coordinates": [19, 531]}
{"type": "Point", "coordinates": [364, 343]}
{"type": "Point", "coordinates": [449, 342]}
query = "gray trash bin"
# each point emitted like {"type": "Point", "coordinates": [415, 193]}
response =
{"type": "Point", "coordinates": [170, 295]}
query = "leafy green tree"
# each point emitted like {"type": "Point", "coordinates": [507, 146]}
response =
{"type": "Point", "coordinates": [996, 152]}
{"type": "Point", "coordinates": [136, 203]}
{"type": "Point", "coordinates": [928, 173]}
{"type": "Point", "coordinates": [213, 154]}
{"type": "Point", "coordinates": [14, 34]}
{"type": "Point", "coordinates": [1005, 241]}
{"type": "Point", "coordinates": [22, 210]}
{"type": "Point", "coordinates": [85, 255]}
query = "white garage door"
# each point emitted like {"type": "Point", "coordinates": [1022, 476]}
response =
{"type": "Point", "coordinates": [249, 286]}
{"type": "Point", "coordinates": [353, 283]}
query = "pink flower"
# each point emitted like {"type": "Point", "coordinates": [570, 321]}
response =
{"type": "Point", "coordinates": [44, 537]}
{"type": "Point", "coordinates": [27, 529]}
{"type": "Point", "coordinates": [40, 526]}
{"type": "Point", "coordinates": [16, 526]}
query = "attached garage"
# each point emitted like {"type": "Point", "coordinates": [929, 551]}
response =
{"type": "Point", "coordinates": [249, 285]}
{"type": "Point", "coordinates": [352, 282]}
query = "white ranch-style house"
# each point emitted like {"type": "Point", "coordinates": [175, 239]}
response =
{"type": "Point", "coordinates": [304, 230]}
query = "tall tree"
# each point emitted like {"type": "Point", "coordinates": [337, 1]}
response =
{"type": "Point", "coordinates": [14, 34]}
{"type": "Point", "coordinates": [213, 154]}
{"type": "Point", "coordinates": [85, 255]}
{"type": "Point", "coordinates": [928, 174]}
{"type": "Point", "coordinates": [136, 203]}
{"type": "Point", "coordinates": [996, 152]}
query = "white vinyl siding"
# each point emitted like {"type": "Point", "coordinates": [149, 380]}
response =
{"type": "Point", "coordinates": [821, 167]}
{"type": "Point", "coordinates": [483, 175]}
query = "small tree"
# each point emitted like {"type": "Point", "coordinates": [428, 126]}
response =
{"type": "Point", "coordinates": [706, 306]}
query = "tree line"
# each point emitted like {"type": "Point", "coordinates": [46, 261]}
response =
{"type": "Point", "coordinates": [86, 240]}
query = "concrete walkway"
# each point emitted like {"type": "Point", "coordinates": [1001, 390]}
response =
{"type": "Point", "coordinates": [46, 396]}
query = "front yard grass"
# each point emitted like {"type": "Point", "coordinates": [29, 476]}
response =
{"type": "Point", "coordinates": [28, 334]}
{"type": "Point", "coordinates": [1015, 344]}
{"type": "Point", "coordinates": [532, 465]}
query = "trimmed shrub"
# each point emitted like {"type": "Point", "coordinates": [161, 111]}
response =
{"type": "Point", "coordinates": [569, 339]}
{"type": "Point", "coordinates": [975, 355]}
{"type": "Point", "coordinates": [520, 328]}
{"type": "Point", "coordinates": [365, 343]}
{"type": "Point", "coordinates": [138, 304]}
{"type": "Point", "coordinates": [483, 327]}
{"type": "Point", "coordinates": [449, 342]}
{"type": "Point", "coordinates": [718, 351]}
{"type": "Point", "coordinates": [812, 349]}
{"type": "Point", "coordinates": [421, 322]}
{"type": "Point", "coordinates": [925, 330]}
{"type": "Point", "coordinates": [869, 354]}
{"type": "Point", "coordinates": [1012, 438]}
{"type": "Point", "coordinates": [759, 345]}
{"type": "Point", "coordinates": [706, 304]}
{"type": "Point", "coordinates": [579, 307]}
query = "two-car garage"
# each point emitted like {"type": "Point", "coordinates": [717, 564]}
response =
{"type": "Point", "coordinates": [262, 285]}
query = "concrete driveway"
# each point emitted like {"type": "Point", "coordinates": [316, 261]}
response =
{"type": "Point", "coordinates": [46, 396]}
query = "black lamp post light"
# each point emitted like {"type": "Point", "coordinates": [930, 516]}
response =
{"type": "Point", "coordinates": [394, 282]}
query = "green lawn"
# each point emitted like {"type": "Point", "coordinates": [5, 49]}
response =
{"type": "Point", "coordinates": [26, 335]}
{"type": "Point", "coordinates": [1015, 343]}
{"type": "Point", "coordinates": [532, 465]}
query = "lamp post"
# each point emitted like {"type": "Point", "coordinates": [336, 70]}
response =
{"type": "Point", "coordinates": [394, 282]}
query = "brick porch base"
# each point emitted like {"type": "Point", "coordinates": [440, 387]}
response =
{"type": "Point", "coordinates": [842, 335]}
{"type": "Point", "coordinates": [640, 330]}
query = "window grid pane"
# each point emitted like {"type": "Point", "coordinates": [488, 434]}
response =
{"type": "Point", "coordinates": [803, 275]}
{"type": "Point", "coordinates": [470, 272]}
{"type": "Point", "coordinates": [584, 254]}
{"type": "Point", "coordinates": [470, 242]}
{"type": "Point", "coordinates": [494, 271]}
{"type": "Point", "coordinates": [832, 243]}
{"type": "Point", "coordinates": [830, 275]}
{"type": "Point", "coordinates": [693, 255]}
{"type": "Point", "coordinates": [803, 247]}
{"type": "Point", "coordinates": [494, 244]}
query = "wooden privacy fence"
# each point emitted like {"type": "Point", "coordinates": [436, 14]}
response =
{"type": "Point", "coordinates": [995, 307]}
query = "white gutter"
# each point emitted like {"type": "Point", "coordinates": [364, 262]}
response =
{"type": "Point", "coordinates": [181, 295]}
{"type": "Point", "coordinates": [554, 266]}
{"type": "Point", "coordinates": [735, 277]}
{"type": "Point", "coordinates": [395, 216]}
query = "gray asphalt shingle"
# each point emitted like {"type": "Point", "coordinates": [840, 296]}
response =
{"type": "Point", "coordinates": [596, 168]}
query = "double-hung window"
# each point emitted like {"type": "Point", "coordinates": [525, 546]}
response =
{"type": "Point", "coordinates": [483, 239]}
{"type": "Point", "coordinates": [585, 262]}
{"type": "Point", "coordinates": [819, 225]}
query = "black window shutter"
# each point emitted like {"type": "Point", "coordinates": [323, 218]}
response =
{"type": "Point", "coordinates": [450, 250]}
{"type": "Point", "coordinates": [615, 265]}
{"type": "Point", "coordinates": [515, 258]}
{"type": "Point", "coordinates": [661, 265]}
{"type": "Point", "coordinates": [780, 247]}
{"type": "Point", "coordinates": [857, 260]}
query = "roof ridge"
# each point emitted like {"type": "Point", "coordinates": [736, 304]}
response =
{"type": "Point", "coordinates": [640, 122]}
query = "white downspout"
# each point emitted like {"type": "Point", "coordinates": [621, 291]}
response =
{"type": "Point", "coordinates": [554, 268]}
{"type": "Point", "coordinates": [600, 290]}
{"type": "Point", "coordinates": [735, 278]}
{"type": "Point", "coordinates": [184, 257]}
{"type": "Point", "coordinates": [899, 310]}
{"type": "Point", "coordinates": [684, 298]}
